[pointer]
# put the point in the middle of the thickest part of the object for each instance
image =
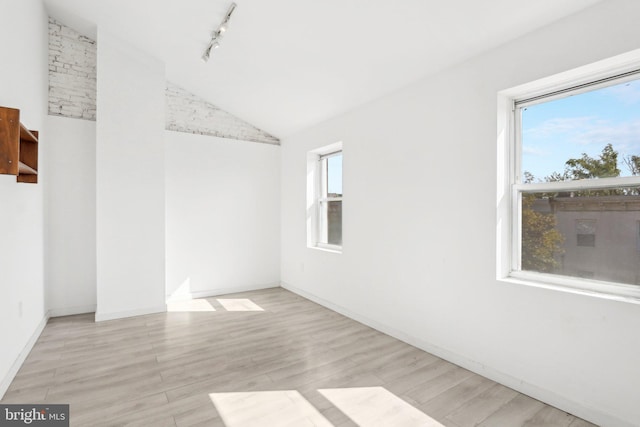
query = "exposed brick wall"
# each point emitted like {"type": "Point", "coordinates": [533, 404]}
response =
{"type": "Point", "coordinates": [186, 112]}
{"type": "Point", "coordinates": [72, 92]}
{"type": "Point", "coordinates": [72, 73]}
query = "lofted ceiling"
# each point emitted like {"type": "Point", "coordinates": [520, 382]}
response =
{"type": "Point", "coordinates": [285, 65]}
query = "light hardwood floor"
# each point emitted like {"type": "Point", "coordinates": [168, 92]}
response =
{"type": "Point", "coordinates": [168, 370]}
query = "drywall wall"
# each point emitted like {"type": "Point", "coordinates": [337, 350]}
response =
{"type": "Point", "coordinates": [222, 215]}
{"type": "Point", "coordinates": [419, 229]}
{"type": "Point", "coordinates": [23, 85]}
{"type": "Point", "coordinates": [70, 215]}
{"type": "Point", "coordinates": [130, 241]}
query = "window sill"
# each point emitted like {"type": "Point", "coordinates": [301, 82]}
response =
{"type": "Point", "coordinates": [328, 248]}
{"type": "Point", "coordinates": [585, 287]}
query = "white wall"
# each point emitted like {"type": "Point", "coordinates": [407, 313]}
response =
{"type": "Point", "coordinates": [23, 85]}
{"type": "Point", "coordinates": [420, 221]}
{"type": "Point", "coordinates": [222, 215]}
{"type": "Point", "coordinates": [129, 181]}
{"type": "Point", "coordinates": [70, 215]}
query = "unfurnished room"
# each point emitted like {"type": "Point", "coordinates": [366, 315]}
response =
{"type": "Point", "coordinates": [250, 213]}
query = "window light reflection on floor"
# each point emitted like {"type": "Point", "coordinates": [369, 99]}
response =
{"type": "Point", "coordinates": [365, 406]}
{"type": "Point", "coordinates": [239, 304]}
{"type": "Point", "coordinates": [376, 406]}
{"type": "Point", "coordinates": [191, 305]}
{"type": "Point", "coordinates": [267, 408]}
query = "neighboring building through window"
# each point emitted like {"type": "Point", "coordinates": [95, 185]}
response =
{"type": "Point", "coordinates": [574, 184]}
{"type": "Point", "coordinates": [325, 197]}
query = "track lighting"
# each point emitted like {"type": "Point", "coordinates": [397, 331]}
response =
{"type": "Point", "coordinates": [218, 33]}
{"type": "Point", "coordinates": [207, 53]}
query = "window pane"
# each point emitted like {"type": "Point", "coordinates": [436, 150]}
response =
{"type": "Point", "coordinates": [586, 232]}
{"type": "Point", "coordinates": [591, 234]}
{"type": "Point", "coordinates": [594, 134]}
{"type": "Point", "coordinates": [335, 223]}
{"type": "Point", "coordinates": [331, 222]}
{"type": "Point", "coordinates": [334, 176]}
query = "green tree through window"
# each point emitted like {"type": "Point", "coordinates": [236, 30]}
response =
{"type": "Point", "coordinates": [541, 241]}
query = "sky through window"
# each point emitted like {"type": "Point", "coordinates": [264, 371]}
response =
{"type": "Point", "coordinates": [562, 129]}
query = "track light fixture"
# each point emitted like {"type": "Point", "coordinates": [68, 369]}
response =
{"type": "Point", "coordinates": [218, 33]}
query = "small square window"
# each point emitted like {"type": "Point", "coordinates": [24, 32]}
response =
{"type": "Point", "coordinates": [588, 240]}
{"type": "Point", "coordinates": [586, 232]}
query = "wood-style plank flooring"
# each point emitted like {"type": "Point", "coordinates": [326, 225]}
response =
{"type": "Point", "coordinates": [266, 358]}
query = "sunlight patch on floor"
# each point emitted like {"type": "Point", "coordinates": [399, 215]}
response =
{"type": "Point", "coordinates": [239, 304]}
{"type": "Point", "coordinates": [376, 406]}
{"type": "Point", "coordinates": [267, 408]}
{"type": "Point", "coordinates": [189, 305]}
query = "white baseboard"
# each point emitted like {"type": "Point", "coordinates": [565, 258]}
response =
{"type": "Point", "coordinates": [593, 415]}
{"type": "Point", "coordinates": [220, 291]}
{"type": "Point", "coordinates": [6, 381]}
{"type": "Point", "coordinates": [101, 317]}
{"type": "Point", "coordinates": [70, 311]}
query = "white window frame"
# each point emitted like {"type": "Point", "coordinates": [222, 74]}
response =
{"type": "Point", "coordinates": [315, 196]}
{"type": "Point", "coordinates": [510, 186]}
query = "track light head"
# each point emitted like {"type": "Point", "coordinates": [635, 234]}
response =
{"type": "Point", "coordinates": [218, 33]}
{"type": "Point", "coordinates": [207, 52]}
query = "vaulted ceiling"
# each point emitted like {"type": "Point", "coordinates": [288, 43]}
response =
{"type": "Point", "coordinates": [285, 65]}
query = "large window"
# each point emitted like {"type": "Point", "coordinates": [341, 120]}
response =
{"type": "Point", "coordinates": [575, 185]}
{"type": "Point", "coordinates": [325, 198]}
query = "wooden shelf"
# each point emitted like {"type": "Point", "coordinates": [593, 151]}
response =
{"type": "Point", "coordinates": [25, 134]}
{"type": "Point", "coordinates": [18, 147]}
{"type": "Point", "coordinates": [24, 169]}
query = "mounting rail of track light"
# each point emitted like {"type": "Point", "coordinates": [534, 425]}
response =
{"type": "Point", "coordinates": [218, 34]}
